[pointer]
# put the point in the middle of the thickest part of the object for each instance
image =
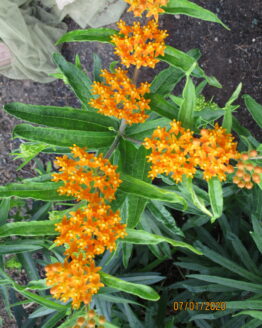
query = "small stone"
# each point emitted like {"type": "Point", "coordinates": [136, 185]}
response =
{"type": "Point", "coordinates": [253, 40]}
{"type": "Point", "coordinates": [216, 39]}
{"type": "Point", "coordinates": [177, 16]}
{"type": "Point", "coordinates": [230, 61]}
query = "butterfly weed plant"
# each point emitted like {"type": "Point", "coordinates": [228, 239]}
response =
{"type": "Point", "coordinates": [97, 254]}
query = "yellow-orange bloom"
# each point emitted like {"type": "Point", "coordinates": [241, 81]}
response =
{"type": "Point", "coordinates": [119, 97]}
{"type": "Point", "coordinates": [88, 178]}
{"type": "Point", "coordinates": [77, 280]}
{"type": "Point", "coordinates": [90, 230]}
{"type": "Point", "coordinates": [215, 151]}
{"type": "Point", "coordinates": [139, 46]}
{"type": "Point", "coordinates": [172, 152]}
{"type": "Point", "coordinates": [152, 6]}
{"type": "Point", "coordinates": [178, 153]}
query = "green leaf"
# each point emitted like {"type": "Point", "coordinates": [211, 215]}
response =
{"type": "Point", "coordinates": [141, 237]}
{"type": "Point", "coordinates": [254, 108]}
{"type": "Point", "coordinates": [186, 110]}
{"type": "Point", "coordinates": [161, 106]}
{"type": "Point", "coordinates": [234, 96]}
{"type": "Point", "coordinates": [246, 304]}
{"type": "Point", "coordinates": [135, 164]}
{"type": "Point", "coordinates": [4, 210]}
{"type": "Point", "coordinates": [197, 201]}
{"type": "Point", "coordinates": [37, 190]}
{"type": "Point", "coordinates": [253, 314]}
{"type": "Point", "coordinates": [184, 7]}
{"type": "Point", "coordinates": [162, 215]}
{"type": "Point", "coordinates": [146, 190]}
{"type": "Point", "coordinates": [61, 117]}
{"type": "Point", "coordinates": [39, 299]}
{"type": "Point", "coordinates": [78, 80]}
{"type": "Point", "coordinates": [91, 34]}
{"type": "Point", "coordinates": [215, 193]}
{"type": "Point", "coordinates": [64, 138]}
{"type": "Point", "coordinates": [97, 67]}
{"type": "Point", "coordinates": [20, 246]}
{"type": "Point", "coordinates": [178, 59]}
{"type": "Point", "coordinates": [30, 228]}
{"type": "Point", "coordinates": [139, 290]}
{"type": "Point", "coordinates": [165, 81]}
{"type": "Point", "coordinates": [141, 131]}
{"type": "Point", "coordinates": [238, 284]}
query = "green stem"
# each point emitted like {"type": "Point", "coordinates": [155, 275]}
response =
{"type": "Point", "coordinates": [117, 139]}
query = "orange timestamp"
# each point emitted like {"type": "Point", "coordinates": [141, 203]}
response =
{"type": "Point", "coordinates": [200, 306]}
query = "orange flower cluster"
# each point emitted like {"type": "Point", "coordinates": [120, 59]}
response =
{"type": "Point", "coordinates": [152, 6]}
{"type": "Point", "coordinates": [88, 178]}
{"type": "Point", "coordinates": [78, 280]}
{"type": "Point", "coordinates": [177, 152]}
{"type": "Point", "coordinates": [119, 97]}
{"type": "Point", "coordinates": [215, 151]}
{"type": "Point", "coordinates": [90, 320]}
{"type": "Point", "coordinates": [139, 46]}
{"type": "Point", "coordinates": [89, 230]}
{"type": "Point", "coordinates": [172, 152]}
{"type": "Point", "coordinates": [247, 173]}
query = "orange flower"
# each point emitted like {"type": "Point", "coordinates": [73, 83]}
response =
{"type": "Point", "coordinates": [172, 152]}
{"type": "Point", "coordinates": [77, 280]}
{"type": "Point", "coordinates": [152, 6]}
{"type": "Point", "coordinates": [90, 230]}
{"type": "Point", "coordinates": [176, 151]}
{"type": "Point", "coordinates": [139, 46]}
{"type": "Point", "coordinates": [88, 178]}
{"type": "Point", "coordinates": [119, 97]}
{"type": "Point", "coordinates": [215, 151]}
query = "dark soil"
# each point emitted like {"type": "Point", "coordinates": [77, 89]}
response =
{"type": "Point", "coordinates": [232, 56]}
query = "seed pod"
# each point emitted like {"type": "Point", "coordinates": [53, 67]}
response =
{"type": "Point", "coordinates": [81, 320]}
{"type": "Point", "coordinates": [91, 314]}
{"type": "Point", "coordinates": [244, 157]}
{"type": "Point", "coordinates": [249, 166]}
{"type": "Point", "coordinates": [253, 153]}
{"type": "Point", "coordinates": [256, 178]}
{"type": "Point", "coordinates": [258, 169]}
{"type": "Point", "coordinates": [241, 184]}
{"type": "Point", "coordinates": [247, 177]}
{"type": "Point", "coordinates": [249, 185]}
{"type": "Point", "coordinates": [240, 173]}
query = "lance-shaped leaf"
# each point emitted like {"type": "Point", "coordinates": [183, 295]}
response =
{"type": "Point", "coordinates": [36, 190]}
{"type": "Point", "coordinates": [139, 290]}
{"type": "Point", "coordinates": [20, 246]}
{"type": "Point", "coordinates": [64, 138]}
{"type": "Point", "coordinates": [78, 80]}
{"type": "Point", "coordinates": [178, 59]}
{"type": "Point", "coordinates": [91, 34]}
{"type": "Point", "coordinates": [185, 7]}
{"type": "Point", "coordinates": [141, 131]}
{"type": "Point", "coordinates": [161, 106]}
{"type": "Point", "coordinates": [30, 228]}
{"type": "Point", "coordinates": [142, 237]}
{"type": "Point", "coordinates": [254, 108]}
{"type": "Point", "coordinates": [215, 193]}
{"type": "Point", "coordinates": [146, 190]}
{"type": "Point", "coordinates": [186, 111]}
{"type": "Point", "coordinates": [134, 163]}
{"type": "Point", "coordinates": [61, 117]}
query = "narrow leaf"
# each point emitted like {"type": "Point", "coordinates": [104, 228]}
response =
{"type": "Point", "coordinates": [215, 193]}
{"type": "Point", "coordinates": [254, 108]}
{"type": "Point", "coordinates": [142, 291]}
{"type": "Point", "coordinates": [141, 237]}
{"type": "Point", "coordinates": [64, 138]}
{"type": "Point", "coordinates": [91, 34]}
